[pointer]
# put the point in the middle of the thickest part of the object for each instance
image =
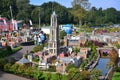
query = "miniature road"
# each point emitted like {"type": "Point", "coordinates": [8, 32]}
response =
{"type": "Point", "coordinates": [24, 50]}
{"type": "Point", "coordinates": [17, 55]}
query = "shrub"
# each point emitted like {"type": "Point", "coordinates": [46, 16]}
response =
{"type": "Point", "coordinates": [3, 61]}
{"type": "Point", "coordinates": [14, 68]}
{"type": "Point", "coordinates": [38, 75]}
{"type": "Point", "coordinates": [16, 49]}
{"type": "Point", "coordinates": [116, 76]}
{"type": "Point", "coordinates": [117, 69]}
{"type": "Point", "coordinates": [38, 48]}
{"type": "Point", "coordinates": [9, 50]}
{"type": "Point", "coordinates": [52, 68]}
{"type": "Point", "coordinates": [36, 59]}
{"type": "Point", "coordinates": [69, 66]}
{"type": "Point", "coordinates": [7, 67]}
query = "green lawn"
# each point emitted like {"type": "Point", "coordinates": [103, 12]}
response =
{"type": "Point", "coordinates": [116, 76]}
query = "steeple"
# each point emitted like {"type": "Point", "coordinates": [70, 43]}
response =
{"type": "Point", "coordinates": [53, 43]}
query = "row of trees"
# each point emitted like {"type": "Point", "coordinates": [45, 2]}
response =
{"type": "Point", "coordinates": [31, 72]}
{"type": "Point", "coordinates": [34, 73]}
{"type": "Point", "coordinates": [81, 12]}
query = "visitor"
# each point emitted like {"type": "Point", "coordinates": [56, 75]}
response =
{"type": "Point", "coordinates": [39, 40]}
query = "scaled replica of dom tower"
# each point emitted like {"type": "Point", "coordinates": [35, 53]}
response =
{"type": "Point", "coordinates": [53, 44]}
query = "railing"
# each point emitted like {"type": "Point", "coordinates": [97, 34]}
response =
{"type": "Point", "coordinates": [108, 76]}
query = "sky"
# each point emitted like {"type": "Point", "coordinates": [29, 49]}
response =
{"type": "Point", "coordinates": [97, 3]}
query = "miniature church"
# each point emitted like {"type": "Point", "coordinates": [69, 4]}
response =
{"type": "Point", "coordinates": [53, 44]}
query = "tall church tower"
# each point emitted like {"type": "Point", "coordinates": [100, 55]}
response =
{"type": "Point", "coordinates": [53, 44]}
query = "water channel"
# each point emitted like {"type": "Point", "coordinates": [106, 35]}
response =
{"type": "Point", "coordinates": [102, 65]}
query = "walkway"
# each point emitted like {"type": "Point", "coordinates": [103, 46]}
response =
{"type": "Point", "coordinates": [24, 50]}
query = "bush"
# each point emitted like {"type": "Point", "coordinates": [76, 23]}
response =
{"type": "Point", "coordinates": [38, 75]}
{"type": "Point", "coordinates": [117, 69]}
{"type": "Point", "coordinates": [116, 76]}
{"type": "Point", "coordinates": [52, 69]}
{"type": "Point", "coordinates": [3, 61]}
{"type": "Point", "coordinates": [8, 48]}
{"type": "Point", "coordinates": [69, 66]}
{"type": "Point", "coordinates": [38, 48]}
{"type": "Point", "coordinates": [7, 67]}
{"type": "Point", "coordinates": [14, 68]}
{"type": "Point", "coordinates": [16, 49]}
{"type": "Point", "coordinates": [36, 59]}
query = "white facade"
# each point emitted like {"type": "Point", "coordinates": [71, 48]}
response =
{"type": "Point", "coordinates": [46, 30]}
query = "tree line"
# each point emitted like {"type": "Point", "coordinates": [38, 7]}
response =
{"type": "Point", "coordinates": [80, 13]}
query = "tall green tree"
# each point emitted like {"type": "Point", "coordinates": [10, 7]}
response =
{"type": "Point", "coordinates": [35, 14]}
{"type": "Point", "coordinates": [79, 9]}
{"type": "Point", "coordinates": [62, 34]}
{"type": "Point", "coordinates": [5, 8]}
{"type": "Point", "coordinates": [64, 16]}
{"type": "Point", "coordinates": [23, 9]}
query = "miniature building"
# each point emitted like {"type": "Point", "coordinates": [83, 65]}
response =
{"type": "Point", "coordinates": [84, 53]}
{"type": "Point", "coordinates": [74, 40]}
{"type": "Point", "coordinates": [53, 44]}
{"type": "Point", "coordinates": [23, 60]}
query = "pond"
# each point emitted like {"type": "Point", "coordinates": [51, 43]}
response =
{"type": "Point", "coordinates": [102, 65]}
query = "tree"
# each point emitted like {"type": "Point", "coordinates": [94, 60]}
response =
{"type": "Point", "coordinates": [113, 57]}
{"type": "Point", "coordinates": [23, 9]}
{"type": "Point", "coordinates": [38, 48]}
{"type": "Point", "coordinates": [62, 34]}
{"type": "Point", "coordinates": [110, 15]}
{"type": "Point", "coordinates": [36, 13]}
{"type": "Point", "coordinates": [79, 7]}
{"type": "Point", "coordinates": [21, 69]}
{"type": "Point", "coordinates": [5, 8]}
{"type": "Point", "coordinates": [64, 16]}
{"type": "Point", "coordinates": [85, 75]}
{"type": "Point", "coordinates": [76, 50]}
{"type": "Point", "coordinates": [14, 68]}
{"type": "Point", "coordinates": [74, 74]}
{"type": "Point", "coordinates": [3, 61]}
{"type": "Point", "coordinates": [117, 45]}
{"type": "Point", "coordinates": [95, 73]}
{"type": "Point", "coordinates": [30, 71]}
{"type": "Point", "coordinates": [38, 75]}
{"type": "Point", "coordinates": [69, 66]}
{"type": "Point", "coordinates": [82, 3]}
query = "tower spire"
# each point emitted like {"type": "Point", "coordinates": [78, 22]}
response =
{"type": "Point", "coordinates": [53, 43]}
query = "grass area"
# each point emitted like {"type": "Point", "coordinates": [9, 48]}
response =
{"type": "Point", "coordinates": [8, 51]}
{"type": "Point", "coordinates": [116, 76]}
{"type": "Point", "coordinates": [16, 49]}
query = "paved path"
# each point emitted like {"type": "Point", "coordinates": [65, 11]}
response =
{"type": "Point", "coordinates": [19, 54]}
